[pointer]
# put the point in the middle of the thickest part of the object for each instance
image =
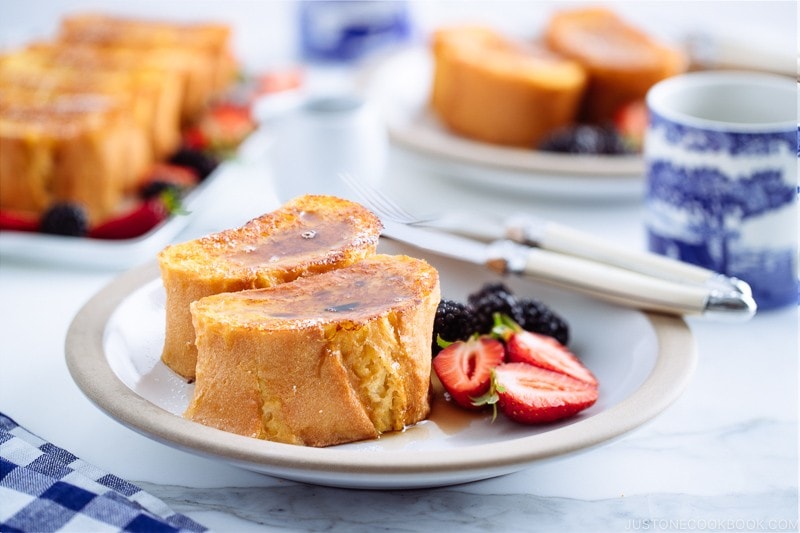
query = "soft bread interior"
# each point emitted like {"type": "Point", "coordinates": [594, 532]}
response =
{"type": "Point", "coordinates": [333, 358]}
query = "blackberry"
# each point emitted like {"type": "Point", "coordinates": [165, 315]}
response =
{"type": "Point", "coordinates": [487, 289]}
{"type": "Point", "coordinates": [586, 139]}
{"type": "Point", "coordinates": [155, 189]}
{"type": "Point", "coordinates": [65, 218]}
{"type": "Point", "coordinates": [201, 162]}
{"type": "Point", "coordinates": [539, 318]}
{"type": "Point", "coordinates": [454, 321]}
{"type": "Point", "coordinates": [487, 303]}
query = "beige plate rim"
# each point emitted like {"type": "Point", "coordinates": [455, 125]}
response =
{"type": "Point", "coordinates": [90, 370]}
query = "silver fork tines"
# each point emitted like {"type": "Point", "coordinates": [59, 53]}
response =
{"type": "Point", "coordinates": [380, 203]}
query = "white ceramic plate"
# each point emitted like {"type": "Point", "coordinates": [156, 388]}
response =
{"type": "Point", "coordinates": [400, 86]}
{"type": "Point", "coordinates": [123, 253]}
{"type": "Point", "coordinates": [643, 363]}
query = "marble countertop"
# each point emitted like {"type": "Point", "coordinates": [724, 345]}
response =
{"type": "Point", "coordinates": [724, 456]}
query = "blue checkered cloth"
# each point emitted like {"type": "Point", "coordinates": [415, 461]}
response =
{"type": "Point", "coordinates": [45, 488]}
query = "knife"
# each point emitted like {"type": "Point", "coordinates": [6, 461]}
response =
{"type": "Point", "coordinates": [603, 281]}
{"type": "Point", "coordinates": [547, 235]}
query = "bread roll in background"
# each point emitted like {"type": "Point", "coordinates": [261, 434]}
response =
{"type": "Point", "coordinates": [622, 61]}
{"type": "Point", "coordinates": [493, 89]}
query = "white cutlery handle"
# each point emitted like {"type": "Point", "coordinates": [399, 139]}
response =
{"type": "Point", "coordinates": [566, 240]}
{"type": "Point", "coordinates": [618, 285]}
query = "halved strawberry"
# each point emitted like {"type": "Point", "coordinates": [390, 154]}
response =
{"type": "Point", "coordinates": [224, 127]}
{"type": "Point", "coordinates": [12, 220]}
{"type": "Point", "coordinates": [631, 122]}
{"type": "Point", "coordinates": [465, 368]}
{"type": "Point", "coordinates": [540, 350]}
{"type": "Point", "coordinates": [531, 395]}
{"type": "Point", "coordinates": [139, 220]}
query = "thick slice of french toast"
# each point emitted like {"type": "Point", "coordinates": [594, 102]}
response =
{"type": "Point", "coordinates": [152, 87]}
{"type": "Point", "coordinates": [308, 235]}
{"type": "Point", "coordinates": [200, 52]}
{"type": "Point", "coordinates": [622, 61]}
{"type": "Point", "coordinates": [75, 148]}
{"type": "Point", "coordinates": [493, 89]}
{"type": "Point", "coordinates": [327, 359]}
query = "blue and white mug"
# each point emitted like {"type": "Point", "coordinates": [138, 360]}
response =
{"type": "Point", "coordinates": [721, 154]}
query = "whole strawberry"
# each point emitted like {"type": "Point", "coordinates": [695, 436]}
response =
{"type": "Point", "coordinates": [631, 121]}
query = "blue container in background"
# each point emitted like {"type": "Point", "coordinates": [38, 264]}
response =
{"type": "Point", "coordinates": [721, 164]}
{"type": "Point", "coordinates": [346, 31]}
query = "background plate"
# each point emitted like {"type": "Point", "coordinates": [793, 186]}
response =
{"type": "Point", "coordinates": [643, 363]}
{"type": "Point", "coordinates": [124, 253]}
{"type": "Point", "coordinates": [399, 86]}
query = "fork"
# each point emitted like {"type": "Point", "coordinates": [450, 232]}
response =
{"type": "Point", "coordinates": [539, 233]}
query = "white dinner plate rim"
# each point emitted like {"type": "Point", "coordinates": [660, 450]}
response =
{"type": "Point", "coordinates": [353, 468]}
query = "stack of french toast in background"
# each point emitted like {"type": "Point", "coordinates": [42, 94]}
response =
{"type": "Point", "coordinates": [589, 67]}
{"type": "Point", "coordinates": [87, 115]}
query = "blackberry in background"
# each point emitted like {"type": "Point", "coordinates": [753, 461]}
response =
{"type": "Point", "coordinates": [453, 322]}
{"type": "Point", "coordinates": [586, 139]}
{"type": "Point", "coordinates": [539, 318]}
{"type": "Point", "coordinates": [65, 218]}
{"type": "Point", "coordinates": [156, 188]}
{"type": "Point", "coordinates": [201, 162]}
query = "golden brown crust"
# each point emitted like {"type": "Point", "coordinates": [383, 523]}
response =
{"type": "Point", "coordinates": [327, 359]}
{"type": "Point", "coordinates": [149, 88]}
{"type": "Point", "coordinates": [622, 61]}
{"type": "Point", "coordinates": [159, 76]}
{"type": "Point", "coordinates": [308, 235]}
{"type": "Point", "coordinates": [490, 88]}
{"type": "Point", "coordinates": [199, 52]}
{"type": "Point", "coordinates": [65, 148]}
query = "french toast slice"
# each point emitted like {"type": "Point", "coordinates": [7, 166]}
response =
{"type": "Point", "coordinates": [50, 95]}
{"type": "Point", "coordinates": [493, 89]}
{"type": "Point", "coordinates": [83, 118]}
{"type": "Point", "coordinates": [622, 61]}
{"type": "Point", "coordinates": [154, 90]}
{"type": "Point", "coordinates": [307, 235]}
{"type": "Point", "coordinates": [337, 357]}
{"type": "Point", "coordinates": [200, 52]}
{"type": "Point", "coordinates": [68, 148]}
